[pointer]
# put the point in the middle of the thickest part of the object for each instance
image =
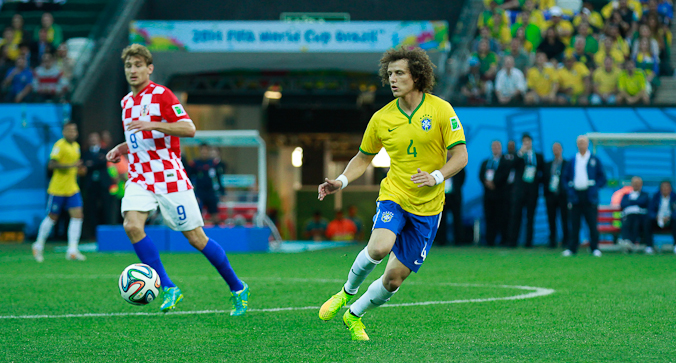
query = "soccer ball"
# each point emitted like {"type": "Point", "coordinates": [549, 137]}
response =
{"type": "Point", "coordinates": [139, 284]}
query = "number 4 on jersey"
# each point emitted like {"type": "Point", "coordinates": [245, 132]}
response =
{"type": "Point", "coordinates": [408, 151]}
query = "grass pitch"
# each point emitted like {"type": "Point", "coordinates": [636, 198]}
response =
{"type": "Point", "coordinates": [619, 308]}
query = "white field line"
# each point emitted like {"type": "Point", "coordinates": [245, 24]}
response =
{"type": "Point", "coordinates": [534, 292]}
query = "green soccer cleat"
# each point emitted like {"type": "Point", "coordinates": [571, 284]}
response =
{"type": "Point", "coordinates": [332, 305]}
{"type": "Point", "coordinates": [240, 301]}
{"type": "Point", "coordinates": [171, 297]}
{"type": "Point", "coordinates": [355, 326]}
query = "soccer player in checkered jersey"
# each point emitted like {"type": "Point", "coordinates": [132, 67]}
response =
{"type": "Point", "coordinates": [153, 121]}
{"type": "Point", "coordinates": [419, 131]}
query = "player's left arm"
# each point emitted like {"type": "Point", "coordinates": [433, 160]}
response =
{"type": "Point", "coordinates": [180, 129]}
{"type": "Point", "coordinates": [457, 161]}
{"type": "Point", "coordinates": [178, 122]}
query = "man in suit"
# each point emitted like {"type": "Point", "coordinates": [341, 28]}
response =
{"type": "Point", "coordinates": [555, 194]}
{"type": "Point", "coordinates": [583, 178]}
{"type": "Point", "coordinates": [528, 171]}
{"type": "Point", "coordinates": [453, 192]}
{"type": "Point", "coordinates": [662, 208]}
{"type": "Point", "coordinates": [493, 174]}
{"type": "Point", "coordinates": [95, 184]}
{"type": "Point", "coordinates": [635, 211]}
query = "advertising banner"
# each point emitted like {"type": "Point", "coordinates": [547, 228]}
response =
{"type": "Point", "coordinates": [288, 37]}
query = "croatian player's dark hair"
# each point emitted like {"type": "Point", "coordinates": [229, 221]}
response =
{"type": "Point", "coordinates": [137, 50]}
{"type": "Point", "coordinates": [419, 64]}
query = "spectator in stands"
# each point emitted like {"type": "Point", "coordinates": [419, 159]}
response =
{"type": "Point", "coordinates": [579, 53]}
{"type": "Point", "coordinates": [542, 81]}
{"type": "Point", "coordinates": [18, 82]}
{"type": "Point", "coordinates": [564, 29]}
{"type": "Point", "coordinates": [522, 59]}
{"type": "Point", "coordinates": [315, 228]}
{"type": "Point", "coordinates": [662, 209]}
{"type": "Point", "coordinates": [629, 18]}
{"type": "Point", "coordinates": [574, 83]}
{"type": "Point", "coordinates": [634, 210]}
{"type": "Point", "coordinates": [485, 34]}
{"type": "Point", "coordinates": [666, 9]}
{"type": "Point", "coordinates": [54, 32]}
{"type": "Point", "coordinates": [582, 179]}
{"type": "Point", "coordinates": [591, 45]}
{"type": "Point", "coordinates": [48, 84]}
{"type": "Point", "coordinates": [17, 26]}
{"type": "Point", "coordinates": [605, 81]}
{"type": "Point", "coordinates": [65, 63]}
{"type": "Point", "coordinates": [510, 84]}
{"type": "Point", "coordinates": [552, 46]}
{"type": "Point", "coordinates": [555, 194]}
{"type": "Point", "coordinates": [528, 166]}
{"type": "Point", "coordinates": [536, 16]}
{"type": "Point", "coordinates": [488, 61]}
{"type": "Point", "coordinates": [472, 86]}
{"type": "Point", "coordinates": [589, 16]}
{"type": "Point", "coordinates": [40, 48]}
{"type": "Point", "coordinates": [11, 47]}
{"type": "Point", "coordinates": [632, 85]}
{"type": "Point", "coordinates": [341, 228]}
{"type": "Point", "coordinates": [612, 32]}
{"type": "Point", "coordinates": [353, 215]}
{"type": "Point", "coordinates": [649, 63]}
{"type": "Point", "coordinates": [532, 33]}
{"type": "Point", "coordinates": [493, 174]}
{"type": "Point", "coordinates": [653, 8]}
{"type": "Point", "coordinates": [500, 29]}
{"type": "Point", "coordinates": [608, 50]}
{"type": "Point", "coordinates": [644, 33]}
{"type": "Point", "coordinates": [663, 37]}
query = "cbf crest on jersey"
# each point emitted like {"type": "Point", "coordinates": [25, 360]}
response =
{"type": "Point", "coordinates": [426, 122]}
{"type": "Point", "coordinates": [387, 216]}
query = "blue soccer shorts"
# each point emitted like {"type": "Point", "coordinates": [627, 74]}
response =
{"type": "Point", "coordinates": [55, 204]}
{"type": "Point", "coordinates": [415, 233]}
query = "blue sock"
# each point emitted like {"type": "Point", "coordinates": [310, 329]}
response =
{"type": "Point", "coordinates": [215, 254]}
{"type": "Point", "coordinates": [147, 253]}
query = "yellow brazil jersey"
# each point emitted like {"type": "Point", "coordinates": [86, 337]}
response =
{"type": "Point", "coordinates": [542, 82]}
{"type": "Point", "coordinates": [606, 81]}
{"type": "Point", "coordinates": [64, 181]}
{"type": "Point", "coordinates": [420, 141]}
{"type": "Point", "coordinates": [573, 78]}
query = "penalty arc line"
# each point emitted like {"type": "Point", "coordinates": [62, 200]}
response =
{"type": "Point", "coordinates": [535, 292]}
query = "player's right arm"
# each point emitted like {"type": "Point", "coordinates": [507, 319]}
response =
{"type": "Point", "coordinates": [370, 146]}
{"type": "Point", "coordinates": [55, 157]}
{"type": "Point", "coordinates": [355, 168]}
{"type": "Point", "coordinates": [116, 153]}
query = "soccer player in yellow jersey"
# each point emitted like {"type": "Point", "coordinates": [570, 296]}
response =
{"type": "Point", "coordinates": [63, 193]}
{"type": "Point", "coordinates": [419, 131]}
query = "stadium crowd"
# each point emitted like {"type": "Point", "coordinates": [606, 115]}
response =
{"type": "Point", "coordinates": [34, 66]}
{"type": "Point", "coordinates": [569, 52]}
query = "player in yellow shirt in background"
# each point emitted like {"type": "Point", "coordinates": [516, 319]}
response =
{"type": "Point", "coordinates": [574, 83]}
{"type": "Point", "coordinates": [63, 192]}
{"type": "Point", "coordinates": [542, 81]}
{"type": "Point", "coordinates": [419, 131]}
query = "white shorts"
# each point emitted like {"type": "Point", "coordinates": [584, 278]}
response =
{"type": "Point", "coordinates": [180, 210]}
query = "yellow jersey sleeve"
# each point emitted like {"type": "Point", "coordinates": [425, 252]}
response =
{"type": "Point", "coordinates": [451, 128]}
{"type": "Point", "coordinates": [370, 142]}
{"type": "Point", "coordinates": [56, 153]}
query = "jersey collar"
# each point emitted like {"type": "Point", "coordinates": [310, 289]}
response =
{"type": "Point", "coordinates": [143, 90]}
{"type": "Point", "coordinates": [412, 113]}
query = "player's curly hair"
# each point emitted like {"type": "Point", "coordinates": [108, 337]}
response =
{"type": "Point", "coordinates": [137, 50]}
{"type": "Point", "coordinates": [419, 64]}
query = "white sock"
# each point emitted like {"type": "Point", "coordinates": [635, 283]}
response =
{"type": "Point", "coordinates": [43, 232]}
{"type": "Point", "coordinates": [375, 296]}
{"type": "Point", "coordinates": [74, 232]}
{"type": "Point", "coordinates": [362, 267]}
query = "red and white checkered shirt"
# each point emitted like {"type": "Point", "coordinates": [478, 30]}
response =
{"type": "Point", "coordinates": [154, 157]}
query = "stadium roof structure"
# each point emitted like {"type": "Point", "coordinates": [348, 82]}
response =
{"type": "Point", "coordinates": [631, 139]}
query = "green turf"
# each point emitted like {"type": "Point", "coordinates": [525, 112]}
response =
{"type": "Point", "coordinates": [619, 308]}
